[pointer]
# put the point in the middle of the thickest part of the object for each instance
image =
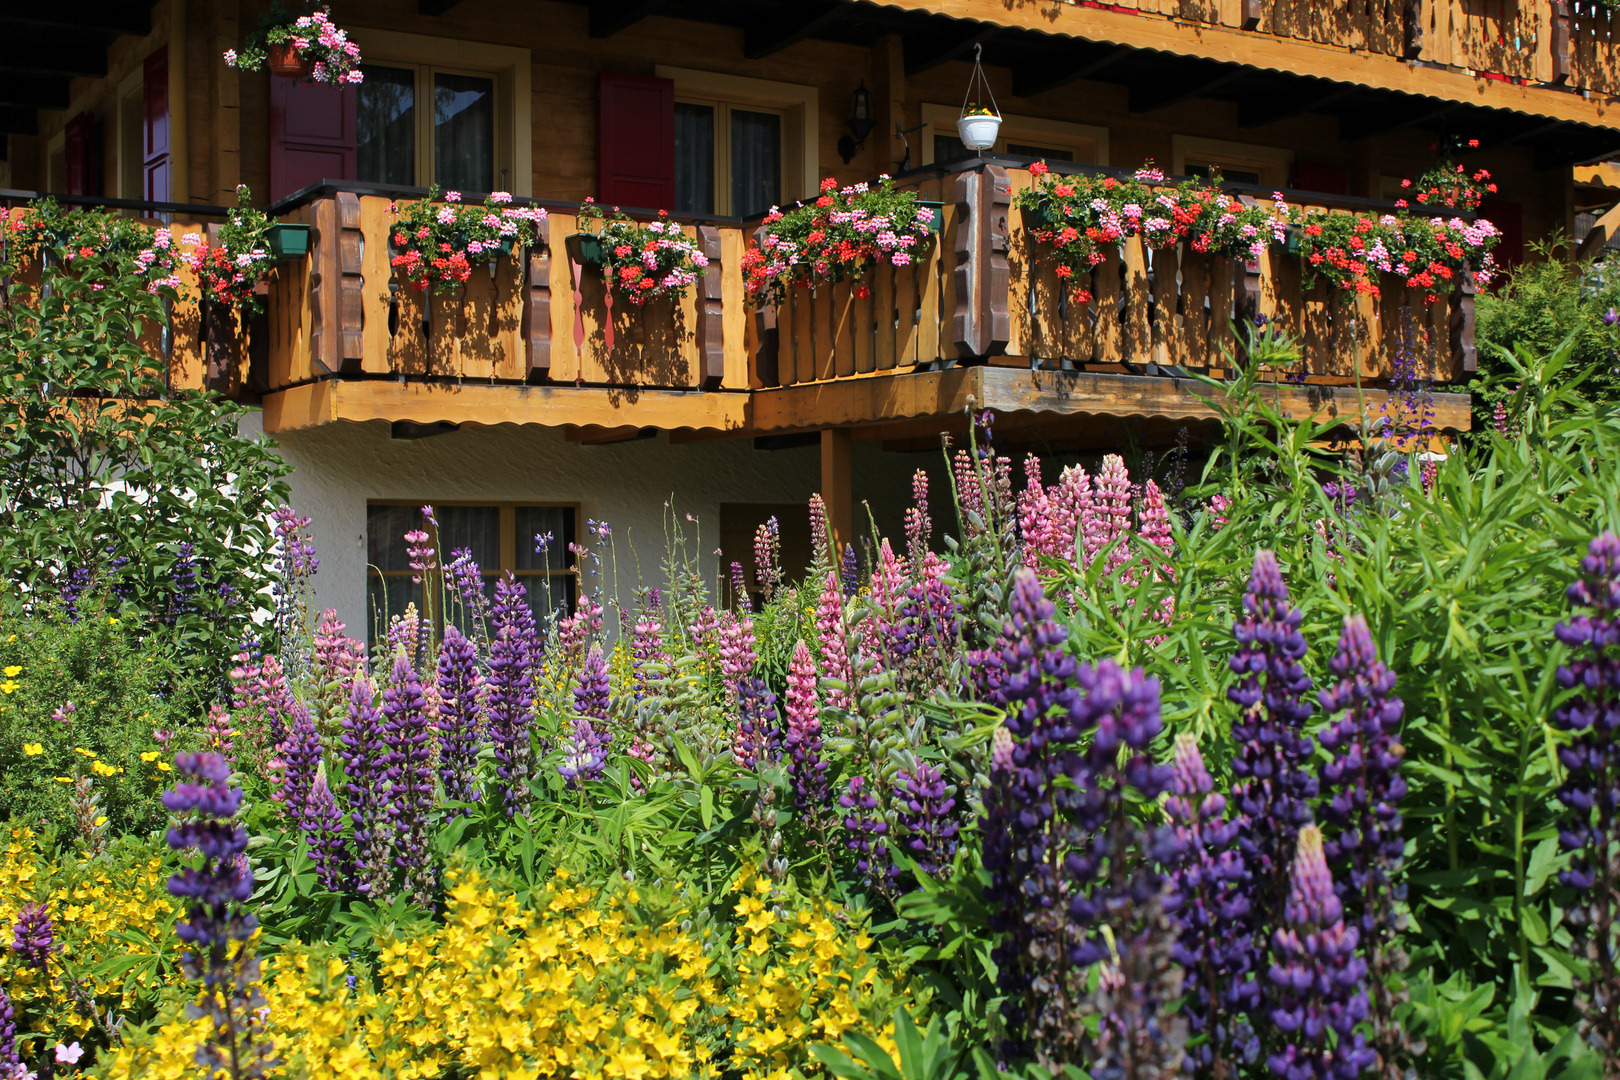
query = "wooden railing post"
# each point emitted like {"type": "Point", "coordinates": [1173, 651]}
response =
{"type": "Point", "coordinates": [982, 322]}
{"type": "Point", "coordinates": [1412, 29]}
{"type": "Point", "coordinates": [337, 287]}
{"type": "Point", "coordinates": [1464, 357]}
{"type": "Point", "coordinates": [710, 322]}
{"type": "Point", "coordinates": [1558, 40]}
{"type": "Point", "coordinates": [1252, 10]}
{"type": "Point", "coordinates": [537, 342]}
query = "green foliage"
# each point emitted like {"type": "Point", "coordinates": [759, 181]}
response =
{"type": "Point", "coordinates": [1543, 302]}
{"type": "Point", "coordinates": [122, 685]}
{"type": "Point", "coordinates": [104, 471]}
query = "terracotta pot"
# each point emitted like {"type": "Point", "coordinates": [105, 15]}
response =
{"type": "Point", "coordinates": [285, 61]}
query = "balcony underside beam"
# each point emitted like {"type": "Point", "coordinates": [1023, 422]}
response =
{"type": "Point", "coordinates": [764, 39]}
{"type": "Point", "coordinates": [608, 17]}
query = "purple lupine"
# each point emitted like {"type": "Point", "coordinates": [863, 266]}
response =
{"type": "Point", "coordinates": [739, 587]}
{"type": "Point", "coordinates": [647, 651]}
{"type": "Point", "coordinates": [927, 817]}
{"type": "Point", "coordinates": [1364, 779]}
{"type": "Point", "coordinates": [1316, 993]}
{"type": "Point", "coordinates": [759, 739]}
{"type": "Point", "coordinates": [364, 764]}
{"type": "Point", "coordinates": [1271, 763]}
{"type": "Point", "coordinates": [8, 1036]}
{"type": "Point", "coordinates": [1065, 859]}
{"type": "Point", "coordinates": [33, 938]}
{"type": "Point", "coordinates": [807, 767]}
{"type": "Point", "coordinates": [465, 581]}
{"type": "Point", "coordinates": [849, 572]}
{"type": "Point", "coordinates": [409, 769]}
{"type": "Point", "coordinates": [510, 700]}
{"type": "Point", "coordinates": [868, 833]}
{"type": "Point", "coordinates": [299, 757]}
{"type": "Point", "coordinates": [182, 584]}
{"type": "Point", "coordinates": [1589, 793]}
{"type": "Point", "coordinates": [217, 930]}
{"type": "Point", "coordinates": [1215, 947]}
{"type": "Point", "coordinates": [461, 719]}
{"type": "Point", "coordinates": [587, 751]}
{"type": "Point", "coordinates": [327, 839]}
{"type": "Point", "coordinates": [736, 651]}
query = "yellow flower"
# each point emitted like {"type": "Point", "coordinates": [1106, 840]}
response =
{"type": "Point", "coordinates": [111, 621]}
{"type": "Point", "coordinates": [164, 766]}
{"type": "Point", "coordinates": [13, 670]}
{"type": "Point", "coordinates": [82, 750]}
{"type": "Point", "coordinates": [101, 768]}
{"type": "Point", "coordinates": [33, 749]}
{"type": "Point", "coordinates": [150, 755]}
{"type": "Point", "coordinates": [8, 687]}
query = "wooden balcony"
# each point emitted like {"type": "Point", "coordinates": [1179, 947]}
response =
{"type": "Point", "coordinates": [534, 342]}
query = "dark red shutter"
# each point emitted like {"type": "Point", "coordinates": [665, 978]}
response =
{"type": "Point", "coordinates": [312, 134]}
{"type": "Point", "coordinates": [77, 152]}
{"type": "Point", "coordinates": [635, 142]}
{"type": "Point", "coordinates": [1327, 179]}
{"type": "Point", "coordinates": [1509, 217]}
{"type": "Point", "coordinates": [155, 126]}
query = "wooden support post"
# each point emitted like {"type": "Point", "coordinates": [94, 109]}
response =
{"type": "Point", "coordinates": [836, 486]}
{"type": "Point", "coordinates": [337, 287]}
{"type": "Point", "coordinates": [537, 312]}
{"type": "Point", "coordinates": [710, 328]}
{"type": "Point", "coordinates": [982, 322]}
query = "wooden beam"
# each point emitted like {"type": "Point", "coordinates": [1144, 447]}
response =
{"type": "Point", "coordinates": [1161, 95]}
{"type": "Point", "coordinates": [1382, 123]}
{"type": "Point", "coordinates": [434, 7]}
{"type": "Point", "coordinates": [1115, 25]}
{"type": "Point", "coordinates": [942, 52]}
{"type": "Point", "coordinates": [601, 436]}
{"type": "Point", "coordinates": [1273, 108]}
{"type": "Point", "coordinates": [1039, 78]}
{"type": "Point", "coordinates": [18, 121]}
{"type": "Point", "coordinates": [34, 91]}
{"type": "Point", "coordinates": [111, 16]}
{"type": "Point", "coordinates": [56, 53]}
{"type": "Point", "coordinates": [837, 486]}
{"type": "Point", "coordinates": [764, 38]}
{"type": "Point", "coordinates": [608, 17]}
{"type": "Point", "coordinates": [362, 400]}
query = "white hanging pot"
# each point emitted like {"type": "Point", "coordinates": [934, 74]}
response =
{"type": "Point", "coordinates": [978, 132]}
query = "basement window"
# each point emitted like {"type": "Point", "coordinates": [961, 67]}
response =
{"type": "Point", "coordinates": [500, 537]}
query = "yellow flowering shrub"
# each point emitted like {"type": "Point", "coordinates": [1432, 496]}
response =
{"type": "Point", "coordinates": [584, 983]}
{"type": "Point", "coordinates": [112, 920]}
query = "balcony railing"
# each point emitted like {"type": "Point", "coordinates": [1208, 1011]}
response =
{"type": "Point", "coordinates": [1542, 41]}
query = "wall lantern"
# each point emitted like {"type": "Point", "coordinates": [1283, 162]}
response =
{"type": "Point", "coordinates": [860, 123]}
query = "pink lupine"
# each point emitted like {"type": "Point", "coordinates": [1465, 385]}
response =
{"type": "Point", "coordinates": [1111, 513]}
{"type": "Point", "coordinates": [337, 656]}
{"type": "Point", "coordinates": [768, 557]}
{"type": "Point", "coordinates": [736, 649]}
{"type": "Point", "coordinates": [705, 627]}
{"type": "Point", "coordinates": [1155, 517]}
{"type": "Point", "coordinates": [646, 649]}
{"type": "Point", "coordinates": [1217, 507]}
{"type": "Point", "coordinates": [821, 552]}
{"type": "Point", "coordinates": [881, 628]}
{"type": "Point", "coordinates": [807, 768]}
{"type": "Point", "coordinates": [833, 642]}
{"type": "Point", "coordinates": [919, 527]}
{"type": "Point", "coordinates": [1033, 513]}
{"type": "Point", "coordinates": [405, 632]}
{"type": "Point", "coordinates": [424, 556]}
{"type": "Point", "coordinates": [968, 492]}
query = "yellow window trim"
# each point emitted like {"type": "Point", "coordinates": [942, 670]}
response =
{"type": "Point", "coordinates": [1271, 162]}
{"type": "Point", "coordinates": [1088, 141]}
{"type": "Point", "coordinates": [510, 67]}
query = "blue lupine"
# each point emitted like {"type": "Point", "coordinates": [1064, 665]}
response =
{"type": "Point", "coordinates": [409, 771]}
{"type": "Point", "coordinates": [364, 764]}
{"type": "Point", "coordinates": [327, 839]}
{"type": "Point", "coordinates": [759, 737]}
{"type": "Point", "coordinates": [33, 938]}
{"type": "Point", "coordinates": [850, 572]}
{"type": "Point", "coordinates": [510, 700]}
{"type": "Point", "coordinates": [461, 719]}
{"type": "Point", "coordinates": [868, 833]}
{"type": "Point", "coordinates": [586, 756]}
{"type": "Point", "coordinates": [927, 817]}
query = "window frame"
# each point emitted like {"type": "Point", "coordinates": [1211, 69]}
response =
{"type": "Point", "coordinates": [721, 202]}
{"type": "Point", "coordinates": [508, 539]}
{"type": "Point", "coordinates": [797, 104]}
{"type": "Point", "coordinates": [1087, 141]}
{"type": "Point", "coordinates": [1273, 163]}
{"type": "Point", "coordinates": [509, 66]}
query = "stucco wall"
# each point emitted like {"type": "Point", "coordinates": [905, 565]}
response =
{"type": "Point", "coordinates": [338, 467]}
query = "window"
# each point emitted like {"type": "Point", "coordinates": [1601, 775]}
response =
{"type": "Point", "coordinates": [440, 111]}
{"type": "Point", "coordinates": [451, 143]}
{"type": "Point", "coordinates": [741, 145]}
{"type": "Point", "coordinates": [500, 536]}
{"type": "Point", "coordinates": [1242, 163]}
{"type": "Point", "coordinates": [1026, 136]}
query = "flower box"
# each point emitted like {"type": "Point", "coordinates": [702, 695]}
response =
{"type": "Point", "coordinates": [586, 249]}
{"type": "Point", "coordinates": [288, 242]}
{"type": "Point", "coordinates": [939, 209]}
{"type": "Point", "coordinates": [1293, 240]}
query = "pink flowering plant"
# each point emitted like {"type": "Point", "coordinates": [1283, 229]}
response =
{"type": "Point", "coordinates": [228, 271]}
{"type": "Point", "coordinates": [1078, 217]}
{"type": "Point", "coordinates": [311, 35]}
{"type": "Point", "coordinates": [437, 244]}
{"type": "Point", "coordinates": [644, 261]}
{"type": "Point", "coordinates": [837, 237]}
{"type": "Point", "coordinates": [93, 245]}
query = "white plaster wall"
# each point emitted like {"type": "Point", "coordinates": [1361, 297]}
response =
{"type": "Point", "coordinates": [338, 467]}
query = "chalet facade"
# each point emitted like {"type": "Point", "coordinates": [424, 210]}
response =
{"type": "Point", "coordinates": [523, 404]}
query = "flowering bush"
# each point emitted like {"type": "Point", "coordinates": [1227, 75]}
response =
{"type": "Point", "coordinates": [1449, 185]}
{"type": "Point", "coordinates": [1079, 215]}
{"type": "Point", "coordinates": [93, 246]}
{"type": "Point", "coordinates": [839, 236]}
{"type": "Point", "coordinates": [228, 271]}
{"type": "Point", "coordinates": [1431, 253]}
{"type": "Point", "coordinates": [438, 245]}
{"type": "Point", "coordinates": [312, 36]}
{"type": "Point", "coordinates": [644, 261]}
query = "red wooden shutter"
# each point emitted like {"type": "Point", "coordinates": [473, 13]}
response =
{"type": "Point", "coordinates": [1327, 179]}
{"type": "Point", "coordinates": [155, 165]}
{"type": "Point", "coordinates": [635, 141]}
{"type": "Point", "coordinates": [1509, 217]}
{"type": "Point", "coordinates": [77, 138]}
{"type": "Point", "coordinates": [312, 134]}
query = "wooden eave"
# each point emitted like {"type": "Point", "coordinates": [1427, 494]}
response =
{"type": "Point", "coordinates": [873, 401]}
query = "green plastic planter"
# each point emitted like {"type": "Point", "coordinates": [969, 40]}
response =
{"type": "Point", "coordinates": [939, 212]}
{"type": "Point", "coordinates": [586, 248]}
{"type": "Point", "coordinates": [288, 242]}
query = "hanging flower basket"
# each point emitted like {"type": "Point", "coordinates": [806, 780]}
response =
{"type": "Point", "coordinates": [979, 125]}
{"type": "Point", "coordinates": [284, 61]}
